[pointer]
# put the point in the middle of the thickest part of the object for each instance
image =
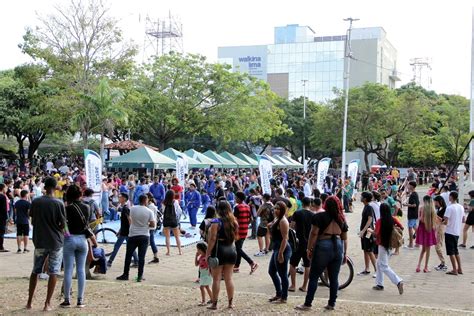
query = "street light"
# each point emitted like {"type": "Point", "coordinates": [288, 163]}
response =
{"type": "Point", "coordinates": [348, 57]}
{"type": "Point", "coordinates": [305, 167]}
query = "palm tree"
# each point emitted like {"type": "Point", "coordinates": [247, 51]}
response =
{"type": "Point", "coordinates": [102, 111]}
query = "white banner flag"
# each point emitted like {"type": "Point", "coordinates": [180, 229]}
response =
{"type": "Point", "coordinates": [323, 167]}
{"type": "Point", "coordinates": [353, 170]}
{"type": "Point", "coordinates": [266, 173]}
{"type": "Point", "coordinates": [181, 169]}
{"type": "Point", "coordinates": [93, 170]}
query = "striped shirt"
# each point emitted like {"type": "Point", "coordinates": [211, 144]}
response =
{"type": "Point", "coordinates": [242, 214]}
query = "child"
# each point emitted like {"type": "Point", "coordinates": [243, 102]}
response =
{"type": "Point", "coordinates": [205, 279]}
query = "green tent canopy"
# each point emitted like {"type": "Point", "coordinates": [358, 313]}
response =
{"type": "Point", "coordinates": [225, 163]}
{"type": "Point", "coordinates": [289, 162]}
{"type": "Point", "coordinates": [253, 163]}
{"type": "Point", "coordinates": [173, 154]}
{"type": "Point", "coordinates": [142, 157]}
{"type": "Point", "coordinates": [240, 163]}
{"type": "Point", "coordinates": [202, 158]}
{"type": "Point", "coordinates": [275, 162]}
{"type": "Point", "coordinates": [296, 163]}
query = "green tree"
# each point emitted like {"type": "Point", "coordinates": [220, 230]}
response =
{"type": "Point", "coordinates": [185, 95]}
{"type": "Point", "coordinates": [101, 112]}
{"type": "Point", "coordinates": [27, 107]}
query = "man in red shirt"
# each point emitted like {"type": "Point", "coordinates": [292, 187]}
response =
{"type": "Point", "coordinates": [243, 216]}
{"type": "Point", "coordinates": [178, 191]}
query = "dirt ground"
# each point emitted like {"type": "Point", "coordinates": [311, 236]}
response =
{"type": "Point", "coordinates": [113, 298]}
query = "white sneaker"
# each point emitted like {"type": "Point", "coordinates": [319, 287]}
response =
{"type": "Point", "coordinates": [374, 275]}
{"type": "Point", "coordinates": [43, 276]}
{"type": "Point", "coordinates": [259, 254]}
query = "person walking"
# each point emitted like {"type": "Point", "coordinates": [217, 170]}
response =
{"type": "Point", "coordinates": [152, 206]}
{"type": "Point", "coordinates": [278, 267]}
{"type": "Point", "coordinates": [48, 217]}
{"type": "Point", "coordinates": [440, 206]}
{"type": "Point", "coordinates": [383, 234]}
{"type": "Point", "coordinates": [265, 212]}
{"type": "Point", "coordinates": [243, 216]}
{"type": "Point", "coordinates": [327, 248]}
{"type": "Point", "coordinates": [157, 189]}
{"type": "Point", "coordinates": [301, 223]}
{"type": "Point", "coordinates": [142, 220]}
{"type": "Point", "coordinates": [413, 205]}
{"type": "Point", "coordinates": [193, 201]}
{"type": "Point", "coordinates": [366, 231]}
{"type": "Point", "coordinates": [221, 238]}
{"type": "Point", "coordinates": [122, 234]}
{"type": "Point", "coordinates": [171, 212]}
{"type": "Point", "coordinates": [75, 245]}
{"type": "Point", "coordinates": [453, 218]}
{"type": "Point", "coordinates": [426, 234]}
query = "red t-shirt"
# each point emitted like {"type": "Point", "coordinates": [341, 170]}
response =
{"type": "Point", "coordinates": [177, 191]}
{"type": "Point", "coordinates": [377, 229]}
{"type": "Point", "coordinates": [242, 214]}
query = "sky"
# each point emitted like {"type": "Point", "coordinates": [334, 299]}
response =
{"type": "Point", "coordinates": [440, 30]}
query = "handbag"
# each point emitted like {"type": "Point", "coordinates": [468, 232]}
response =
{"type": "Point", "coordinates": [396, 239]}
{"type": "Point", "coordinates": [87, 231]}
{"type": "Point", "coordinates": [213, 262]}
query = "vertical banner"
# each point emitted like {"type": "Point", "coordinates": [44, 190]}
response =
{"type": "Point", "coordinates": [353, 170]}
{"type": "Point", "coordinates": [93, 170]}
{"type": "Point", "coordinates": [323, 167]}
{"type": "Point", "coordinates": [181, 169]}
{"type": "Point", "coordinates": [266, 173]}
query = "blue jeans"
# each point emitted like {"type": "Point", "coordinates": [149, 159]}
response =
{"type": "Point", "coordinates": [279, 271]}
{"type": "Point", "coordinates": [112, 214]}
{"type": "Point", "coordinates": [326, 254]}
{"type": "Point", "coordinates": [118, 244]}
{"type": "Point", "coordinates": [75, 251]}
{"type": "Point", "coordinates": [153, 246]}
{"type": "Point", "coordinates": [192, 211]}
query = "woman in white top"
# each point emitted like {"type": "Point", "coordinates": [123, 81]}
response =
{"type": "Point", "coordinates": [154, 209]}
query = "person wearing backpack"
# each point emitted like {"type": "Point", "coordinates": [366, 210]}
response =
{"type": "Point", "coordinates": [171, 212]}
{"type": "Point", "coordinates": [384, 229]}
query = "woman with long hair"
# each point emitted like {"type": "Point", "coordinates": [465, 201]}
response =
{"type": "Point", "coordinates": [221, 245]}
{"type": "Point", "coordinates": [327, 248]}
{"type": "Point", "coordinates": [383, 234]}
{"type": "Point", "coordinates": [425, 234]}
{"type": "Point", "coordinates": [171, 213]}
{"type": "Point", "coordinates": [75, 245]}
{"type": "Point", "coordinates": [440, 205]}
{"type": "Point", "coordinates": [278, 267]}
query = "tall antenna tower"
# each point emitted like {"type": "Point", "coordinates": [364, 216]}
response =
{"type": "Point", "coordinates": [421, 68]}
{"type": "Point", "coordinates": [162, 36]}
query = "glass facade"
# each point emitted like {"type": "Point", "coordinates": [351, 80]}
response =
{"type": "Point", "coordinates": [320, 63]}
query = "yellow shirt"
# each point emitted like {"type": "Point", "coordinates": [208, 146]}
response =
{"type": "Point", "coordinates": [59, 193]}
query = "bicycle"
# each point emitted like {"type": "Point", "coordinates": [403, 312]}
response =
{"type": "Point", "coordinates": [346, 274]}
{"type": "Point", "coordinates": [103, 235]}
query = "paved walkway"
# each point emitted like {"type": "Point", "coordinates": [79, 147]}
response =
{"type": "Point", "coordinates": [435, 289]}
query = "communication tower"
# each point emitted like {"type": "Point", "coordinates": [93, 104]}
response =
{"type": "Point", "coordinates": [162, 36]}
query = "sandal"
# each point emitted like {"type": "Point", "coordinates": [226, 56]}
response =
{"type": "Point", "coordinates": [274, 299]}
{"type": "Point", "coordinates": [202, 304]}
{"type": "Point", "coordinates": [213, 306]}
{"type": "Point", "coordinates": [236, 270]}
{"type": "Point", "coordinates": [253, 267]}
{"type": "Point", "coordinates": [230, 306]}
{"type": "Point", "coordinates": [452, 273]}
{"type": "Point", "coordinates": [291, 289]}
{"type": "Point", "coordinates": [302, 289]}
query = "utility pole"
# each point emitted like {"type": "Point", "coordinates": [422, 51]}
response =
{"type": "Point", "coordinates": [348, 57]}
{"type": "Point", "coordinates": [305, 166]}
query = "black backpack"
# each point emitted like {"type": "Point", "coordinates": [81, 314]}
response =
{"type": "Point", "coordinates": [292, 239]}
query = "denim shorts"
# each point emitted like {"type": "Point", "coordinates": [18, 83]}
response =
{"type": "Point", "coordinates": [412, 223]}
{"type": "Point", "coordinates": [54, 256]}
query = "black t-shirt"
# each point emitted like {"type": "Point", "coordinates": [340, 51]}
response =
{"type": "Point", "coordinates": [367, 212]}
{"type": "Point", "coordinates": [413, 211]}
{"type": "Point", "coordinates": [22, 208]}
{"type": "Point", "coordinates": [124, 223]}
{"type": "Point", "coordinates": [441, 212]}
{"type": "Point", "coordinates": [75, 221]}
{"type": "Point", "coordinates": [303, 221]}
{"type": "Point", "coordinates": [322, 221]}
{"type": "Point", "coordinates": [48, 217]}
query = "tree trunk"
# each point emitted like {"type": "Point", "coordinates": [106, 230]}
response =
{"type": "Point", "coordinates": [85, 140]}
{"type": "Point", "coordinates": [35, 141]}
{"type": "Point", "coordinates": [21, 148]}
{"type": "Point", "coordinates": [102, 149]}
{"type": "Point", "coordinates": [366, 160]}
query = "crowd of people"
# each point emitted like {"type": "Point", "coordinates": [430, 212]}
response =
{"type": "Point", "coordinates": [295, 224]}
